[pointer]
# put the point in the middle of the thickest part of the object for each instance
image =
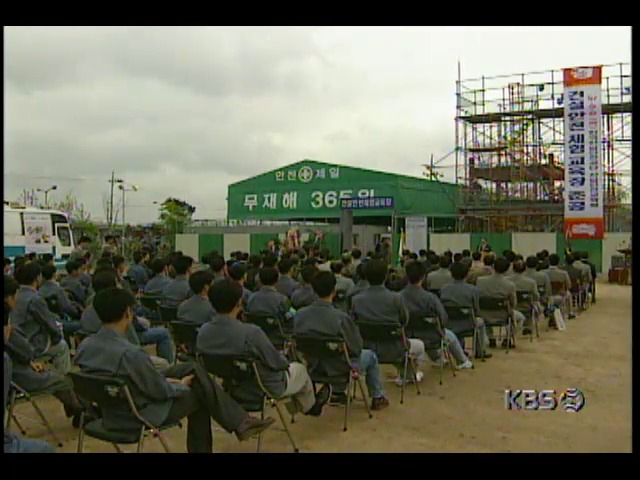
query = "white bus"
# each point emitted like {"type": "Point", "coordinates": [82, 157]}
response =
{"type": "Point", "coordinates": [29, 229]}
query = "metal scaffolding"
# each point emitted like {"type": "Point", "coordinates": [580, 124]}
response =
{"type": "Point", "coordinates": [510, 149]}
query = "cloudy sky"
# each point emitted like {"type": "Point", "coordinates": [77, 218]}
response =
{"type": "Point", "coordinates": [184, 111]}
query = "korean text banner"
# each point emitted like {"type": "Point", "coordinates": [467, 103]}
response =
{"type": "Point", "coordinates": [583, 199]}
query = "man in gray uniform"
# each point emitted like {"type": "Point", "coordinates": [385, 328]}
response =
{"type": "Point", "coordinates": [286, 285]}
{"type": "Point", "coordinates": [178, 290]}
{"type": "Point", "coordinates": [361, 285]}
{"type": "Point", "coordinates": [217, 265]}
{"type": "Point", "coordinates": [419, 300]}
{"type": "Point", "coordinates": [91, 323]}
{"type": "Point", "coordinates": [138, 271]}
{"type": "Point", "coordinates": [51, 289]}
{"type": "Point", "coordinates": [525, 284]}
{"type": "Point", "coordinates": [541, 278]}
{"type": "Point", "coordinates": [198, 309]}
{"type": "Point", "coordinates": [183, 391]}
{"type": "Point", "coordinates": [160, 281]}
{"type": "Point", "coordinates": [226, 335]}
{"type": "Point", "coordinates": [33, 319]}
{"type": "Point", "coordinates": [462, 294]}
{"type": "Point", "coordinates": [72, 282]}
{"type": "Point", "coordinates": [378, 304]}
{"type": "Point", "coordinates": [304, 294]}
{"type": "Point", "coordinates": [28, 373]}
{"type": "Point", "coordinates": [343, 284]}
{"type": "Point", "coordinates": [438, 279]}
{"type": "Point", "coordinates": [322, 318]}
{"type": "Point", "coordinates": [499, 286]}
{"type": "Point", "coordinates": [267, 300]}
{"type": "Point", "coordinates": [81, 250]}
{"type": "Point", "coordinates": [238, 273]}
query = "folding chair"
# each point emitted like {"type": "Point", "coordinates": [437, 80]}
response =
{"type": "Point", "coordinates": [275, 330]}
{"type": "Point", "coordinates": [184, 336]}
{"type": "Point", "coordinates": [576, 294]}
{"type": "Point", "coordinates": [462, 322]}
{"type": "Point", "coordinates": [321, 352]}
{"type": "Point", "coordinates": [166, 314]}
{"type": "Point", "coordinates": [525, 306]}
{"type": "Point", "coordinates": [112, 393]}
{"type": "Point", "coordinates": [427, 327]}
{"type": "Point", "coordinates": [17, 393]}
{"type": "Point", "coordinates": [236, 370]}
{"type": "Point", "coordinates": [152, 303]}
{"type": "Point", "coordinates": [558, 289]}
{"type": "Point", "coordinates": [340, 301]}
{"type": "Point", "coordinates": [500, 305]}
{"type": "Point", "coordinates": [390, 343]}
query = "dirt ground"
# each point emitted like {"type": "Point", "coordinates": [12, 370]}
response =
{"type": "Point", "coordinates": [466, 413]}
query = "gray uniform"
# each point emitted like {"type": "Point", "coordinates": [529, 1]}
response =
{"type": "Point", "coordinates": [196, 310]}
{"type": "Point", "coordinates": [109, 352]}
{"type": "Point", "coordinates": [360, 287]}
{"type": "Point", "coordinates": [322, 318]}
{"type": "Point", "coordinates": [286, 285]}
{"type": "Point", "coordinates": [303, 297]}
{"type": "Point", "coordinates": [478, 269]}
{"type": "Point", "coordinates": [498, 285]}
{"type": "Point", "coordinates": [438, 279]}
{"type": "Point", "coordinates": [417, 299]}
{"type": "Point", "coordinates": [92, 324]}
{"type": "Point", "coordinates": [157, 284]}
{"type": "Point", "coordinates": [74, 285]}
{"type": "Point", "coordinates": [541, 279]}
{"type": "Point", "coordinates": [585, 269]}
{"type": "Point", "coordinates": [224, 335]}
{"type": "Point", "coordinates": [557, 275]}
{"type": "Point", "coordinates": [33, 319]}
{"type": "Point", "coordinates": [344, 284]}
{"type": "Point", "coordinates": [51, 289]}
{"type": "Point", "coordinates": [176, 292]}
{"type": "Point", "coordinates": [525, 284]}
{"type": "Point", "coordinates": [268, 301]}
{"type": "Point", "coordinates": [460, 294]}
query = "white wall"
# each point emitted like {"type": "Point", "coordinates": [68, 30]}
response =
{"type": "Point", "coordinates": [456, 242]}
{"type": "Point", "coordinates": [234, 242]}
{"type": "Point", "coordinates": [611, 243]}
{"type": "Point", "coordinates": [531, 243]}
{"type": "Point", "coordinates": [187, 243]}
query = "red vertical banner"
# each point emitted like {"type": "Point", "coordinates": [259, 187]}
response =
{"type": "Point", "coordinates": [583, 180]}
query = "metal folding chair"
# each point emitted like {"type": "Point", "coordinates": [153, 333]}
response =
{"type": "Point", "coordinates": [462, 322]}
{"type": "Point", "coordinates": [525, 306]}
{"type": "Point", "coordinates": [152, 303]}
{"type": "Point", "coordinates": [503, 306]}
{"type": "Point", "coordinates": [427, 326]}
{"type": "Point", "coordinates": [112, 393]}
{"type": "Point", "coordinates": [235, 370]}
{"type": "Point", "coordinates": [184, 336]}
{"type": "Point", "coordinates": [276, 330]}
{"type": "Point", "coordinates": [166, 314]}
{"type": "Point", "coordinates": [391, 345]}
{"type": "Point", "coordinates": [322, 352]}
{"type": "Point", "coordinates": [17, 393]}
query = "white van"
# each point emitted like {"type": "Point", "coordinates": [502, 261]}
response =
{"type": "Point", "coordinates": [30, 229]}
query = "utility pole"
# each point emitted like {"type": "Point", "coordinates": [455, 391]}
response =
{"type": "Point", "coordinates": [110, 215]}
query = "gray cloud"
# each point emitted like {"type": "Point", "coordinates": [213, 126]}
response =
{"type": "Point", "coordinates": [184, 111]}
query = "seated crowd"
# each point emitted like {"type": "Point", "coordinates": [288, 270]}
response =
{"type": "Point", "coordinates": [106, 309]}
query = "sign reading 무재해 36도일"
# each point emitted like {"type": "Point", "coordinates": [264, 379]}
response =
{"type": "Point", "coordinates": [308, 190]}
{"type": "Point", "coordinates": [583, 196]}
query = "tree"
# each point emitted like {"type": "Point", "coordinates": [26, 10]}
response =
{"type": "Point", "coordinates": [79, 217]}
{"type": "Point", "coordinates": [175, 215]}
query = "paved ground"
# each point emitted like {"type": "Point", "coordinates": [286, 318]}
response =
{"type": "Point", "coordinates": [467, 413]}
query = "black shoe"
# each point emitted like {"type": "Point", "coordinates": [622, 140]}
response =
{"type": "Point", "coordinates": [492, 343]}
{"type": "Point", "coordinates": [338, 399]}
{"type": "Point", "coordinates": [251, 426]}
{"type": "Point", "coordinates": [322, 397]}
{"type": "Point", "coordinates": [484, 355]}
{"type": "Point", "coordinates": [526, 331]}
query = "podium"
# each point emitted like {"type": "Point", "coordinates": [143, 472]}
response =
{"type": "Point", "coordinates": [622, 275]}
